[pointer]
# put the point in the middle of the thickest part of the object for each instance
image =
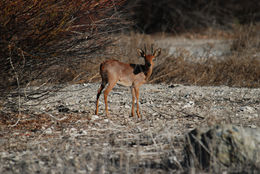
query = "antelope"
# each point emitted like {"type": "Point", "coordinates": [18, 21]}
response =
{"type": "Point", "coordinates": [132, 75]}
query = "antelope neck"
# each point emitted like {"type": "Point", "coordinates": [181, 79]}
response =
{"type": "Point", "coordinates": [148, 71]}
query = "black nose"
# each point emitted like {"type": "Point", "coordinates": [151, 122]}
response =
{"type": "Point", "coordinates": [148, 64]}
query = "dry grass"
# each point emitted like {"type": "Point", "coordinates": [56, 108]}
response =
{"type": "Point", "coordinates": [233, 71]}
{"type": "Point", "coordinates": [41, 41]}
{"type": "Point", "coordinates": [241, 68]}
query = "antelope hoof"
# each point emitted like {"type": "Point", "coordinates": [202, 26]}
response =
{"type": "Point", "coordinates": [107, 115]}
{"type": "Point", "coordinates": [140, 116]}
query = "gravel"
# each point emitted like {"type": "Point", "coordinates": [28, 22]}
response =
{"type": "Point", "coordinates": [119, 143]}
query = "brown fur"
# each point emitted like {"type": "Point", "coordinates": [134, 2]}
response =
{"type": "Point", "coordinates": [133, 75]}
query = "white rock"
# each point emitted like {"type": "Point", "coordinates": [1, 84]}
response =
{"type": "Point", "coordinates": [105, 144]}
{"type": "Point", "coordinates": [48, 131]}
{"type": "Point", "coordinates": [127, 106]}
{"type": "Point", "coordinates": [94, 117]}
{"type": "Point", "coordinates": [247, 109]}
{"type": "Point", "coordinates": [154, 114]}
{"type": "Point", "coordinates": [189, 104]}
{"type": "Point", "coordinates": [73, 131]}
{"type": "Point", "coordinates": [106, 120]}
{"type": "Point", "coordinates": [78, 121]}
{"type": "Point", "coordinates": [252, 116]}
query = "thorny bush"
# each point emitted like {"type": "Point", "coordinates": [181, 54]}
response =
{"type": "Point", "coordinates": [39, 35]}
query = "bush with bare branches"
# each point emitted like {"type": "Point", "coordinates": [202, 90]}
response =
{"type": "Point", "coordinates": [38, 35]}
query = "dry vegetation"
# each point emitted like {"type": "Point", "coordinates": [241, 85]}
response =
{"type": "Point", "coordinates": [56, 46]}
{"type": "Point", "coordinates": [46, 45]}
{"type": "Point", "coordinates": [240, 68]}
{"type": "Point", "coordinates": [40, 40]}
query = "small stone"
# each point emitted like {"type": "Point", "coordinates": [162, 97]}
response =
{"type": "Point", "coordinates": [247, 109]}
{"type": "Point", "coordinates": [189, 104]}
{"type": "Point", "coordinates": [48, 131]}
{"type": "Point", "coordinates": [94, 117]}
{"type": "Point", "coordinates": [73, 130]}
{"type": "Point", "coordinates": [127, 106]}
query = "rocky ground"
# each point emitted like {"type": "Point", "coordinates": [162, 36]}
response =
{"type": "Point", "coordinates": [61, 134]}
{"type": "Point", "coordinates": [57, 131]}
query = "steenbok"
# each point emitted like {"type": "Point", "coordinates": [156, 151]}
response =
{"type": "Point", "coordinates": [115, 72]}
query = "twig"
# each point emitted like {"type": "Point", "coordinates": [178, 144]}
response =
{"type": "Point", "coordinates": [13, 125]}
{"type": "Point", "coordinates": [179, 111]}
{"type": "Point", "coordinates": [77, 76]}
{"type": "Point", "coordinates": [93, 77]}
{"type": "Point", "coordinates": [18, 85]}
{"type": "Point", "coordinates": [164, 75]}
{"type": "Point", "coordinates": [162, 113]}
{"type": "Point", "coordinates": [192, 115]}
{"type": "Point", "coordinates": [58, 119]}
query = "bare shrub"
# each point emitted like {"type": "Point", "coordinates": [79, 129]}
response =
{"type": "Point", "coordinates": [246, 39]}
{"type": "Point", "coordinates": [233, 71]}
{"type": "Point", "coordinates": [37, 36]}
{"type": "Point", "coordinates": [241, 68]}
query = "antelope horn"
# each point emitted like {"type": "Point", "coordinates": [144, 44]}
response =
{"type": "Point", "coordinates": [152, 48]}
{"type": "Point", "coordinates": [145, 49]}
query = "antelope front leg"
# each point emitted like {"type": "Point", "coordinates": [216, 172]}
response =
{"type": "Point", "coordinates": [137, 101]}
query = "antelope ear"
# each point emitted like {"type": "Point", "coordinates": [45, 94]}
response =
{"type": "Point", "coordinates": [141, 52]}
{"type": "Point", "coordinates": [157, 52]}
